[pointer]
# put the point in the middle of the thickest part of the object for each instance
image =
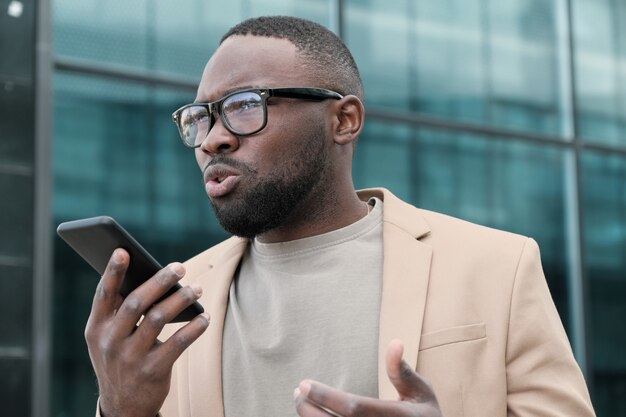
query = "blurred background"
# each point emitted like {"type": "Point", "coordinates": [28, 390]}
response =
{"type": "Point", "coordinates": [507, 113]}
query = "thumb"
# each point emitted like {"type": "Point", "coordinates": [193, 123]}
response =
{"type": "Point", "coordinates": [408, 383]}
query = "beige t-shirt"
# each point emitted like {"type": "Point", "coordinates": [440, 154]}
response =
{"type": "Point", "coordinates": [302, 309]}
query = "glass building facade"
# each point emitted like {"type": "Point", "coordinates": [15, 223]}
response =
{"type": "Point", "coordinates": [511, 114]}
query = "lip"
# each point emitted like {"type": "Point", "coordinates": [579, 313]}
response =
{"type": "Point", "coordinates": [220, 179]}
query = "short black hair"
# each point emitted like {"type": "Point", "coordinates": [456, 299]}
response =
{"type": "Point", "coordinates": [324, 53]}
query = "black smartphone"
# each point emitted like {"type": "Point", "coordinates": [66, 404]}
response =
{"type": "Point", "coordinates": [96, 238]}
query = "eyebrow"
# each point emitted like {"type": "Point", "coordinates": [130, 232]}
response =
{"type": "Point", "coordinates": [230, 91]}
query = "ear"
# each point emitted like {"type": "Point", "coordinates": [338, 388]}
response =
{"type": "Point", "coordinates": [349, 114]}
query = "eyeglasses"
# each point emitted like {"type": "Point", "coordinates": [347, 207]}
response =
{"type": "Point", "coordinates": [243, 113]}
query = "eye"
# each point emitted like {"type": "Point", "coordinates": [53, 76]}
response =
{"type": "Point", "coordinates": [242, 102]}
{"type": "Point", "coordinates": [243, 105]}
{"type": "Point", "coordinates": [248, 104]}
{"type": "Point", "coordinates": [193, 116]}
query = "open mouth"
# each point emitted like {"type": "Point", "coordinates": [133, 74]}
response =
{"type": "Point", "coordinates": [220, 180]}
{"type": "Point", "coordinates": [222, 185]}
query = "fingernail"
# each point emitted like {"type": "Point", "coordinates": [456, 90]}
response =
{"type": "Point", "coordinates": [296, 393]}
{"type": "Point", "coordinates": [178, 269]}
{"type": "Point", "coordinates": [305, 387]}
{"type": "Point", "coordinates": [117, 255]}
{"type": "Point", "coordinates": [207, 318]}
{"type": "Point", "coordinates": [197, 290]}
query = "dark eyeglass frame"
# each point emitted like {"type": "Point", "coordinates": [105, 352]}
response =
{"type": "Point", "coordinates": [304, 93]}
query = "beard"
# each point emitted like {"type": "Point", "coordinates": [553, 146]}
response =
{"type": "Point", "coordinates": [268, 202]}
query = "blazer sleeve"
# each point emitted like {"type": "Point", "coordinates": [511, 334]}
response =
{"type": "Point", "coordinates": [543, 378]}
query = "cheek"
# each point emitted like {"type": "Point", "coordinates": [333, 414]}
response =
{"type": "Point", "coordinates": [261, 153]}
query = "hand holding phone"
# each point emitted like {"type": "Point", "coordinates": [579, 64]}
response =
{"type": "Point", "coordinates": [133, 368]}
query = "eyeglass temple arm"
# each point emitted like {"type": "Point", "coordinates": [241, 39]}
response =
{"type": "Point", "coordinates": [305, 93]}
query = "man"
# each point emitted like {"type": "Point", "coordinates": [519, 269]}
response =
{"type": "Point", "coordinates": [325, 290]}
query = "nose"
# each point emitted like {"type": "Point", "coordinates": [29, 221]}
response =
{"type": "Point", "coordinates": [219, 140]}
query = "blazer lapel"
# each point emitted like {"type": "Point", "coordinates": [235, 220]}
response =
{"type": "Point", "coordinates": [205, 355]}
{"type": "Point", "coordinates": [406, 271]}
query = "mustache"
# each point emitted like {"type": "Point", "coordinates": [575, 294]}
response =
{"type": "Point", "coordinates": [224, 160]}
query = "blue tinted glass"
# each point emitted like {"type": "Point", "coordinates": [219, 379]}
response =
{"type": "Point", "coordinates": [600, 39]}
{"type": "Point", "coordinates": [16, 299]}
{"type": "Point", "coordinates": [117, 152]}
{"type": "Point", "coordinates": [320, 11]}
{"type": "Point", "coordinates": [16, 219]}
{"type": "Point", "coordinates": [382, 158]}
{"type": "Point", "coordinates": [15, 392]}
{"type": "Point", "coordinates": [493, 63]}
{"type": "Point", "coordinates": [604, 205]}
{"type": "Point", "coordinates": [174, 37]}
{"type": "Point", "coordinates": [111, 31]}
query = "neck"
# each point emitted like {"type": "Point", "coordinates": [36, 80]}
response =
{"type": "Point", "coordinates": [319, 213]}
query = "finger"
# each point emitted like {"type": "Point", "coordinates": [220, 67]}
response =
{"type": "Point", "coordinates": [173, 347]}
{"type": "Point", "coordinates": [144, 296]}
{"type": "Point", "coordinates": [339, 403]}
{"type": "Point", "coordinates": [344, 404]}
{"type": "Point", "coordinates": [106, 299]}
{"type": "Point", "coordinates": [162, 313]}
{"type": "Point", "coordinates": [306, 408]}
{"type": "Point", "coordinates": [408, 383]}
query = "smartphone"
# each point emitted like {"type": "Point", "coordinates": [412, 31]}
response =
{"type": "Point", "coordinates": [95, 239]}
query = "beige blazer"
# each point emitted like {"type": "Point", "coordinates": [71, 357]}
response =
{"type": "Point", "coordinates": [470, 303]}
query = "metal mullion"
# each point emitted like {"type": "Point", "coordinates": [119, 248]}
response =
{"type": "Point", "coordinates": [42, 241]}
{"type": "Point", "coordinates": [413, 87]}
{"type": "Point", "coordinates": [336, 23]}
{"type": "Point", "coordinates": [573, 191]}
{"type": "Point", "coordinates": [605, 149]}
{"type": "Point", "coordinates": [86, 67]}
{"type": "Point", "coordinates": [422, 120]}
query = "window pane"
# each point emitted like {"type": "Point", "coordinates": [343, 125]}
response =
{"type": "Point", "coordinates": [604, 206]}
{"type": "Point", "coordinates": [493, 63]}
{"type": "Point", "coordinates": [504, 184]}
{"type": "Point", "coordinates": [16, 219]}
{"type": "Point", "coordinates": [319, 11]}
{"type": "Point", "coordinates": [15, 386]}
{"type": "Point", "coordinates": [16, 300]}
{"type": "Point", "coordinates": [108, 31]}
{"type": "Point", "coordinates": [600, 59]}
{"type": "Point", "coordinates": [166, 36]}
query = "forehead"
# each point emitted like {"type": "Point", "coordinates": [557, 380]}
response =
{"type": "Point", "coordinates": [250, 61]}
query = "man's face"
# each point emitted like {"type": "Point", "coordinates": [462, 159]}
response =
{"type": "Point", "coordinates": [256, 183]}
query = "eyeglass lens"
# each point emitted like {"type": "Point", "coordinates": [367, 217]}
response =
{"type": "Point", "coordinates": [242, 112]}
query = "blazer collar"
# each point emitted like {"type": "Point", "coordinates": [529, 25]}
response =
{"type": "Point", "coordinates": [397, 212]}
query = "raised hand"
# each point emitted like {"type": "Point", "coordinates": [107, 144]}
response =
{"type": "Point", "coordinates": [416, 396]}
{"type": "Point", "coordinates": [133, 368]}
